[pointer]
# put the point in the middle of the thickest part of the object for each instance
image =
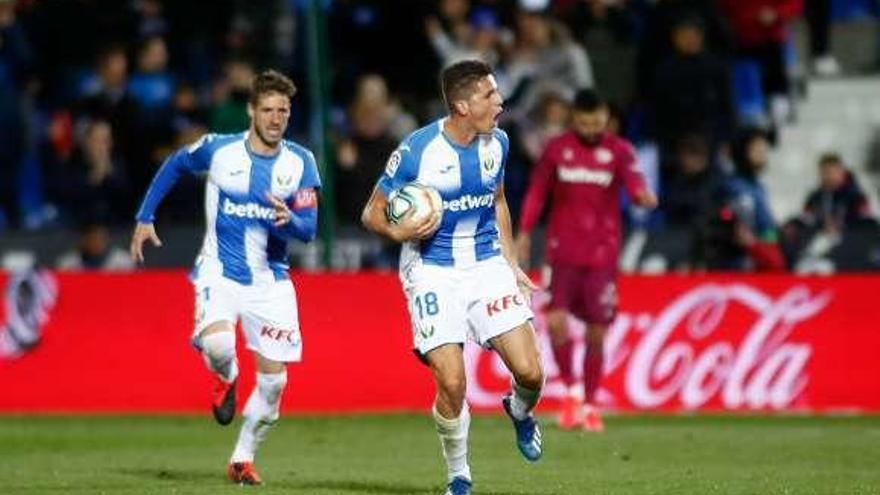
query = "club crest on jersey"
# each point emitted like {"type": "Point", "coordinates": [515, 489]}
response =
{"type": "Point", "coordinates": [568, 154]}
{"type": "Point", "coordinates": [284, 180]}
{"type": "Point", "coordinates": [603, 155]}
{"type": "Point", "coordinates": [489, 163]}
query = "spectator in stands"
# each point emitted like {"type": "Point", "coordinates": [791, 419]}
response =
{"type": "Point", "coordinates": [742, 232]}
{"type": "Point", "coordinates": [361, 154]}
{"type": "Point", "coordinates": [152, 85]}
{"type": "Point", "coordinates": [95, 252]}
{"type": "Point", "coordinates": [480, 39]}
{"type": "Point", "coordinates": [545, 58]}
{"type": "Point", "coordinates": [608, 30]}
{"type": "Point", "coordinates": [657, 41]}
{"type": "Point", "coordinates": [691, 93]}
{"type": "Point", "coordinates": [93, 183]}
{"type": "Point", "coordinates": [15, 59]}
{"type": "Point", "coordinates": [528, 135]}
{"type": "Point", "coordinates": [107, 98]}
{"type": "Point", "coordinates": [839, 202]}
{"type": "Point", "coordinates": [452, 17]}
{"type": "Point", "coordinates": [548, 120]}
{"type": "Point", "coordinates": [230, 97]}
{"type": "Point", "coordinates": [761, 31]}
{"type": "Point", "coordinates": [188, 120]}
{"type": "Point", "coordinates": [818, 14]}
{"type": "Point", "coordinates": [150, 19]}
{"type": "Point", "coordinates": [690, 193]}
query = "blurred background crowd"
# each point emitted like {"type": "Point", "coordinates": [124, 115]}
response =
{"type": "Point", "coordinates": [754, 120]}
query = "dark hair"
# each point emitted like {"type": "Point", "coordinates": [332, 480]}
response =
{"type": "Point", "coordinates": [830, 158]}
{"type": "Point", "coordinates": [587, 100]}
{"type": "Point", "coordinates": [458, 80]}
{"type": "Point", "coordinates": [271, 81]}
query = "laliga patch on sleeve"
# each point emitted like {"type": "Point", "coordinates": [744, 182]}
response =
{"type": "Point", "coordinates": [305, 198]}
{"type": "Point", "coordinates": [393, 163]}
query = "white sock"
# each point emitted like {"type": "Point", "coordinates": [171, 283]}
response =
{"type": "Point", "coordinates": [260, 413]}
{"type": "Point", "coordinates": [218, 349]}
{"type": "Point", "coordinates": [523, 400]}
{"type": "Point", "coordinates": [453, 439]}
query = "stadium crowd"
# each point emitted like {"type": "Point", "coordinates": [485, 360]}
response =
{"type": "Point", "coordinates": [95, 93]}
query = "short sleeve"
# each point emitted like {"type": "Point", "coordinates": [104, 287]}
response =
{"type": "Point", "coordinates": [401, 168]}
{"type": "Point", "coordinates": [310, 177]}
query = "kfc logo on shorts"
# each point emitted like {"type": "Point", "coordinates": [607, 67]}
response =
{"type": "Point", "coordinates": [279, 334]}
{"type": "Point", "coordinates": [504, 303]}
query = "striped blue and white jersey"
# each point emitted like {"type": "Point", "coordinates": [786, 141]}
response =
{"type": "Point", "coordinates": [467, 178]}
{"type": "Point", "coordinates": [240, 234]}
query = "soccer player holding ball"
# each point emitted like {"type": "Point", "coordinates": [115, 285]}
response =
{"type": "Point", "coordinates": [260, 192]}
{"type": "Point", "coordinates": [459, 269]}
{"type": "Point", "coordinates": [582, 171]}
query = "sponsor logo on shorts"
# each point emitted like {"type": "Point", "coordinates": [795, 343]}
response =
{"type": "Point", "coordinates": [279, 334]}
{"type": "Point", "coordinates": [505, 303]}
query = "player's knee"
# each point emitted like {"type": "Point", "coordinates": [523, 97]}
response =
{"type": "Point", "coordinates": [530, 375]}
{"type": "Point", "coordinates": [218, 348]}
{"type": "Point", "coordinates": [453, 388]}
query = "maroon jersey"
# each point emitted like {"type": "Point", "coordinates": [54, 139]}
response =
{"type": "Point", "coordinates": [584, 183]}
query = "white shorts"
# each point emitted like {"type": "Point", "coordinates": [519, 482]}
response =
{"type": "Point", "coordinates": [448, 304]}
{"type": "Point", "coordinates": [268, 312]}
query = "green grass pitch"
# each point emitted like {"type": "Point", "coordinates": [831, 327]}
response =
{"type": "Point", "coordinates": [400, 454]}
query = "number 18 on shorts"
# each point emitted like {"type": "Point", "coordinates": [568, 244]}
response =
{"type": "Point", "coordinates": [448, 305]}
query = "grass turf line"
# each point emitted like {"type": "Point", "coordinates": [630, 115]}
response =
{"type": "Point", "coordinates": [400, 454]}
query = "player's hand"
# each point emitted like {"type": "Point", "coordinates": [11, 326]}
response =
{"type": "Point", "coordinates": [428, 226]}
{"type": "Point", "coordinates": [142, 232]}
{"type": "Point", "coordinates": [422, 228]}
{"type": "Point", "coordinates": [646, 199]}
{"type": "Point", "coordinates": [523, 244]}
{"type": "Point", "coordinates": [282, 212]}
{"type": "Point", "coordinates": [525, 284]}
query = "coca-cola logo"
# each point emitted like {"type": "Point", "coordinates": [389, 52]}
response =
{"type": "Point", "coordinates": [728, 346]}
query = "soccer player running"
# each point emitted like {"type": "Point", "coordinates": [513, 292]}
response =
{"type": "Point", "coordinates": [582, 171]}
{"type": "Point", "coordinates": [460, 275]}
{"type": "Point", "coordinates": [261, 191]}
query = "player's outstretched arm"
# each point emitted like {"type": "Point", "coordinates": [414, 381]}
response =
{"type": "Point", "coordinates": [191, 159]}
{"type": "Point", "coordinates": [142, 233]}
{"type": "Point", "coordinates": [373, 218]}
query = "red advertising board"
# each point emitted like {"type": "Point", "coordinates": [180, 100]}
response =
{"type": "Point", "coordinates": [115, 343]}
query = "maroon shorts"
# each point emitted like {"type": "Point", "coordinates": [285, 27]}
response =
{"type": "Point", "coordinates": [590, 294]}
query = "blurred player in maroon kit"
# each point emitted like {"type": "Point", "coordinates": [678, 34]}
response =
{"type": "Point", "coordinates": [582, 171]}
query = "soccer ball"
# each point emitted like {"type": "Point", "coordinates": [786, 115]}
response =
{"type": "Point", "coordinates": [413, 201]}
